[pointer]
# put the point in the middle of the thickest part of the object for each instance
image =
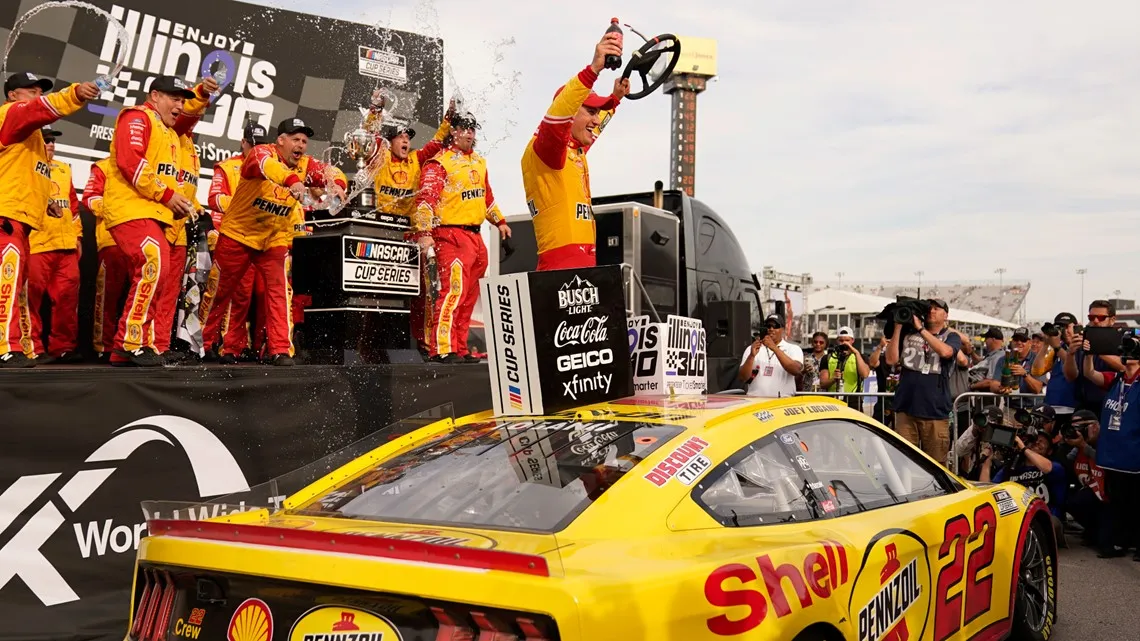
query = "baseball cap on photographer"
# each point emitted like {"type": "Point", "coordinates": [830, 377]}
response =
{"type": "Point", "coordinates": [1046, 411]}
{"type": "Point", "coordinates": [938, 302]}
{"type": "Point", "coordinates": [845, 331]}
{"type": "Point", "coordinates": [994, 333]}
{"type": "Point", "coordinates": [1064, 318]}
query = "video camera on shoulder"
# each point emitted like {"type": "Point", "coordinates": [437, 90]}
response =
{"type": "Point", "coordinates": [1001, 437]}
{"type": "Point", "coordinates": [1036, 418]}
{"type": "Point", "coordinates": [902, 311]}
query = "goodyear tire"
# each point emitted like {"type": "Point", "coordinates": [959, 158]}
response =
{"type": "Point", "coordinates": [1035, 609]}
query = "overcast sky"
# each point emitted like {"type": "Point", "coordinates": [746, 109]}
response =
{"type": "Point", "coordinates": [872, 138]}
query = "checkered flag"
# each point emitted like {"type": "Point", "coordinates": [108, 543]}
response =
{"type": "Point", "coordinates": [124, 89]}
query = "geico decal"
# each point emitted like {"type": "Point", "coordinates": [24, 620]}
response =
{"type": "Point", "coordinates": [594, 358]}
{"type": "Point", "coordinates": [215, 471]}
{"type": "Point", "coordinates": [737, 585]}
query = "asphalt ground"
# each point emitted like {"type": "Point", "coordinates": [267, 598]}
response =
{"type": "Point", "coordinates": [1097, 598]}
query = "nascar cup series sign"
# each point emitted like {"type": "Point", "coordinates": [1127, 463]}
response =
{"type": "Point", "coordinates": [555, 339]}
{"type": "Point", "coordinates": [669, 357]}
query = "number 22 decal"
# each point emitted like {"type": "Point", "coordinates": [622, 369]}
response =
{"type": "Point", "coordinates": [952, 611]}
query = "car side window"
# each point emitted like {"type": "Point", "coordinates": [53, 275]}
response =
{"type": "Point", "coordinates": [757, 485]}
{"type": "Point", "coordinates": [817, 469]}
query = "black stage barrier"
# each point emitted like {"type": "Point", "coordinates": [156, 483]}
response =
{"type": "Point", "coordinates": [81, 447]}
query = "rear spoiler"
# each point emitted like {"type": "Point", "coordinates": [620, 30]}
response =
{"type": "Point", "coordinates": [357, 544]}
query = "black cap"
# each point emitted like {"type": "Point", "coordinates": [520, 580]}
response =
{"type": "Point", "coordinates": [938, 302]}
{"type": "Point", "coordinates": [26, 79]}
{"type": "Point", "coordinates": [291, 126]}
{"type": "Point", "coordinates": [1046, 411]}
{"type": "Point", "coordinates": [255, 134]}
{"type": "Point", "coordinates": [994, 333]}
{"type": "Point", "coordinates": [50, 134]}
{"type": "Point", "coordinates": [1084, 415]}
{"type": "Point", "coordinates": [464, 121]}
{"type": "Point", "coordinates": [1064, 318]}
{"type": "Point", "coordinates": [391, 131]}
{"type": "Point", "coordinates": [774, 318]}
{"type": "Point", "coordinates": [173, 86]}
{"type": "Point", "coordinates": [1021, 334]}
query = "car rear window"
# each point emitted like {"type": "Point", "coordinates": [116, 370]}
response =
{"type": "Point", "coordinates": [536, 475]}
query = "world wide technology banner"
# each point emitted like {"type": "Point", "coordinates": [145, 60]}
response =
{"type": "Point", "coordinates": [280, 64]}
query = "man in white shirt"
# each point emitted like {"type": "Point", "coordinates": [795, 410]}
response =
{"type": "Point", "coordinates": [770, 365]}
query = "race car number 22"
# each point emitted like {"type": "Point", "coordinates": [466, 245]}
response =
{"type": "Point", "coordinates": [975, 597]}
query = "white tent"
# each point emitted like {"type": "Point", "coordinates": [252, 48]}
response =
{"type": "Point", "coordinates": [825, 301]}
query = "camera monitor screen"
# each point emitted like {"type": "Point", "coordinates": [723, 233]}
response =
{"type": "Point", "coordinates": [1003, 436]}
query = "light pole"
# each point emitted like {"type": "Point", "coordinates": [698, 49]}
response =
{"type": "Point", "coordinates": [919, 273]}
{"type": "Point", "coordinates": [1000, 271]}
{"type": "Point", "coordinates": [840, 275]}
{"type": "Point", "coordinates": [1081, 273]}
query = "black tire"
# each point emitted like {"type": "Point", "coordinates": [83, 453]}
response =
{"type": "Point", "coordinates": [814, 633]}
{"type": "Point", "coordinates": [1035, 609]}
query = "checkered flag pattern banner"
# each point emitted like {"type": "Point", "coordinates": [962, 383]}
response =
{"type": "Point", "coordinates": [280, 64]}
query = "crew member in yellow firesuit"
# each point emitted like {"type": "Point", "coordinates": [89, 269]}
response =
{"type": "Point", "coordinates": [556, 176]}
{"type": "Point", "coordinates": [141, 200]}
{"type": "Point", "coordinates": [53, 270]}
{"type": "Point", "coordinates": [25, 190]}
{"type": "Point", "coordinates": [189, 168]}
{"type": "Point", "coordinates": [396, 185]}
{"type": "Point", "coordinates": [259, 226]}
{"type": "Point", "coordinates": [455, 194]}
{"type": "Point", "coordinates": [113, 275]}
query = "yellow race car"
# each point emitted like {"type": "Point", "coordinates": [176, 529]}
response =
{"type": "Point", "coordinates": [662, 518]}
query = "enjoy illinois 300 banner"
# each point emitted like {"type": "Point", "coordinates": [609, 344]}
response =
{"type": "Point", "coordinates": [280, 64]}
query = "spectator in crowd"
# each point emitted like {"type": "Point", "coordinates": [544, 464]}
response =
{"type": "Point", "coordinates": [960, 381]}
{"type": "Point", "coordinates": [1023, 380]}
{"type": "Point", "coordinates": [922, 402]}
{"type": "Point", "coordinates": [1118, 444]}
{"type": "Point", "coordinates": [843, 370]}
{"type": "Point", "coordinates": [1089, 395]}
{"type": "Point", "coordinates": [1087, 504]}
{"type": "Point", "coordinates": [1036, 343]}
{"type": "Point", "coordinates": [995, 354]}
{"type": "Point", "coordinates": [886, 381]}
{"type": "Point", "coordinates": [813, 359]}
{"type": "Point", "coordinates": [770, 365]}
{"type": "Point", "coordinates": [1060, 392]}
{"type": "Point", "coordinates": [1033, 468]}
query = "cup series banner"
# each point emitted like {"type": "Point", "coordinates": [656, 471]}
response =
{"type": "Point", "coordinates": [667, 357]}
{"type": "Point", "coordinates": [280, 64]}
{"type": "Point", "coordinates": [555, 339]}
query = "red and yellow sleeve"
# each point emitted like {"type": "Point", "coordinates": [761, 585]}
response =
{"type": "Point", "coordinates": [93, 191]}
{"type": "Point", "coordinates": [132, 136]}
{"type": "Point", "coordinates": [432, 180]}
{"type": "Point", "coordinates": [24, 118]}
{"type": "Point", "coordinates": [435, 145]}
{"type": "Point", "coordinates": [554, 131]}
{"type": "Point", "coordinates": [494, 216]}
{"type": "Point", "coordinates": [263, 162]}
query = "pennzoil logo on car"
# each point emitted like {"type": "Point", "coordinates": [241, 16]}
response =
{"type": "Point", "coordinates": [431, 536]}
{"type": "Point", "coordinates": [337, 623]}
{"type": "Point", "coordinates": [892, 592]}
{"type": "Point", "coordinates": [678, 461]}
{"type": "Point", "coordinates": [252, 621]}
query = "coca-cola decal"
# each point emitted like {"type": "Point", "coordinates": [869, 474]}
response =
{"type": "Point", "coordinates": [592, 330]}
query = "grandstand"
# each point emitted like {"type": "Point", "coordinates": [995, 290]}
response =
{"type": "Point", "coordinates": [1006, 301]}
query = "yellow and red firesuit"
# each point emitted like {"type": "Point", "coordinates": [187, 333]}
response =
{"type": "Point", "coordinates": [556, 178]}
{"type": "Point", "coordinates": [53, 270]}
{"type": "Point", "coordinates": [456, 195]}
{"type": "Point", "coordinates": [25, 189]}
{"type": "Point", "coordinates": [114, 273]}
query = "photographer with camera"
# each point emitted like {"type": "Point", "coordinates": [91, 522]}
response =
{"type": "Point", "coordinates": [1031, 466]}
{"type": "Point", "coordinates": [770, 365]}
{"type": "Point", "coordinates": [926, 353]}
{"type": "Point", "coordinates": [844, 369]}
{"type": "Point", "coordinates": [1087, 505]}
{"type": "Point", "coordinates": [1118, 447]}
{"type": "Point", "coordinates": [1089, 395]}
{"type": "Point", "coordinates": [1060, 393]}
{"type": "Point", "coordinates": [813, 361]}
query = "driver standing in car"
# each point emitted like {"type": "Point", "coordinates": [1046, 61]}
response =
{"type": "Point", "coordinates": [556, 176]}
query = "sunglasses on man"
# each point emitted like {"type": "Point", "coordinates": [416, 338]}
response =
{"type": "Point", "coordinates": [1098, 317]}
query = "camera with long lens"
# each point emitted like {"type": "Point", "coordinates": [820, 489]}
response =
{"type": "Point", "coordinates": [901, 312]}
{"type": "Point", "coordinates": [1049, 329]}
{"type": "Point", "coordinates": [1030, 419]}
{"type": "Point", "coordinates": [1130, 348]}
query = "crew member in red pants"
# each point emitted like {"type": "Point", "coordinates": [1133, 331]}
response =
{"type": "Point", "coordinates": [188, 171]}
{"type": "Point", "coordinates": [258, 229]}
{"type": "Point", "coordinates": [456, 194]}
{"type": "Point", "coordinates": [53, 270]}
{"type": "Point", "coordinates": [25, 188]}
{"type": "Point", "coordinates": [114, 273]}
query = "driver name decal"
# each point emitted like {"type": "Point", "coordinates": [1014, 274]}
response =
{"type": "Point", "coordinates": [810, 409]}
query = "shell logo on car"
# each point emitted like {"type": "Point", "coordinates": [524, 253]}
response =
{"type": "Point", "coordinates": [252, 621]}
{"type": "Point", "coordinates": [336, 623]}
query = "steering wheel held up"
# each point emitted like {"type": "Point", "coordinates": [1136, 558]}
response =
{"type": "Point", "coordinates": [643, 59]}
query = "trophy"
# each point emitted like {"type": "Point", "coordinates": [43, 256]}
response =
{"type": "Point", "coordinates": [366, 146]}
